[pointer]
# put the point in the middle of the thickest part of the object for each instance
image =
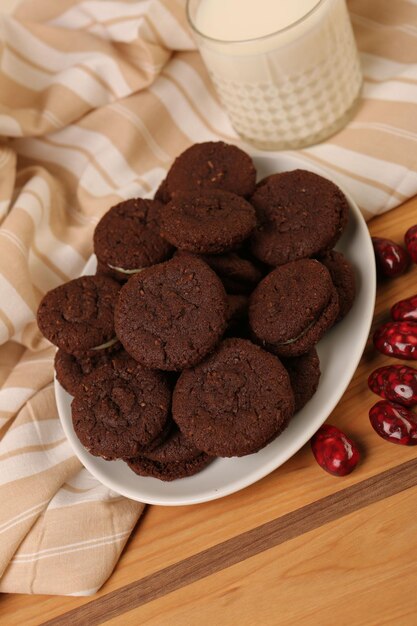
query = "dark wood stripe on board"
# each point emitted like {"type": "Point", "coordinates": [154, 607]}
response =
{"type": "Point", "coordinates": [243, 546]}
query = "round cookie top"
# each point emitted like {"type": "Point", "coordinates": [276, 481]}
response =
{"type": "Point", "coordinates": [343, 277]}
{"type": "Point", "coordinates": [71, 370]}
{"type": "Point", "coordinates": [78, 316]}
{"type": "Point", "coordinates": [209, 221]}
{"type": "Point", "coordinates": [293, 306]}
{"type": "Point", "coordinates": [171, 315]}
{"type": "Point", "coordinates": [127, 238]}
{"type": "Point", "coordinates": [120, 409]}
{"type": "Point", "coordinates": [300, 215]}
{"type": "Point", "coordinates": [304, 373]}
{"type": "Point", "coordinates": [234, 402]}
{"type": "Point", "coordinates": [212, 165]}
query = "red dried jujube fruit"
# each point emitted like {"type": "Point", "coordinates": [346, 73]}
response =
{"type": "Point", "coordinates": [394, 423]}
{"type": "Point", "coordinates": [397, 383]}
{"type": "Point", "coordinates": [391, 259]}
{"type": "Point", "coordinates": [405, 310]}
{"type": "Point", "coordinates": [397, 339]}
{"type": "Point", "coordinates": [410, 239]}
{"type": "Point", "coordinates": [334, 451]}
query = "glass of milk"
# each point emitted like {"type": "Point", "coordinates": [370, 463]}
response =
{"type": "Point", "coordinates": [287, 71]}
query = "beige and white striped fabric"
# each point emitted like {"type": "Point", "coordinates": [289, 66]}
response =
{"type": "Point", "coordinates": [97, 98]}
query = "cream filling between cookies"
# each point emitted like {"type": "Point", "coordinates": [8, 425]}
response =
{"type": "Point", "coordinates": [289, 341]}
{"type": "Point", "coordinates": [123, 271]}
{"type": "Point", "coordinates": [108, 344]}
{"type": "Point", "coordinates": [306, 329]}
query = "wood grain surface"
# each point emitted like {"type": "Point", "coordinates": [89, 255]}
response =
{"type": "Point", "coordinates": [299, 547]}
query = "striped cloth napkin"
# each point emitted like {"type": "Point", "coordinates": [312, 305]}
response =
{"type": "Point", "coordinates": [97, 98]}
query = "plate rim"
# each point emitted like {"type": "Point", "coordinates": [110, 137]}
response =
{"type": "Point", "coordinates": [87, 459]}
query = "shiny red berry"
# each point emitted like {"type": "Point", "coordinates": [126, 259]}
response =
{"type": "Point", "coordinates": [397, 339]}
{"type": "Point", "coordinates": [397, 383]}
{"type": "Point", "coordinates": [394, 423]}
{"type": "Point", "coordinates": [410, 239]}
{"type": "Point", "coordinates": [334, 451]}
{"type": "Point", "coordinates": [391, 259]}
{"type": "Point", "coordinates": [405, 309]}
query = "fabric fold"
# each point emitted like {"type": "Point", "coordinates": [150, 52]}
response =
{"type": "Point", "coordinates": [97, 99]}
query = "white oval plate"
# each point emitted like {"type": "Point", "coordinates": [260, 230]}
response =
{"type": "Point", "coordinates": [340, 351]}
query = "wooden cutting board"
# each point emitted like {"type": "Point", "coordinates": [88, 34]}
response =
{"type": "Point", "coordinates": [298, 548]}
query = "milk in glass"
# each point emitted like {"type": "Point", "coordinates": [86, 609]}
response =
{"type": "Point", "coordinates": [287, 71]}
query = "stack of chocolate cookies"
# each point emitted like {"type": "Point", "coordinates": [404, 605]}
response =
{"type": "Point", "coordinates": [196, 337]}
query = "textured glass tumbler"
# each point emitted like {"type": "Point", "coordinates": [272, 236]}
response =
{"type": "Point", "coordinates": [292, 88]}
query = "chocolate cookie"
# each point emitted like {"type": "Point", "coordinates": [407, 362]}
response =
{"type": "Point", "coordinates": [343, 277]}
{"type": "Point", "coordinates": [169, 471]}
{"type": "Point", "coordinates": [103, 269]}
{"type": "Point", "coordinates": [212, 165]}
{"type": "Point", "coordinates": [120, 409]}
{"type": "Point", "coordinates": [171, 315]}
{"type": "Point", "coordinates": [161, 194]}
{"type": "Point", "coordinates": [304, 372]}
{"type": "Point", "coordinates": [207, 222]}
{"type": "Point", "coordinates": [175, 458]}
{"type": "Point", "coordinates": [78, 316]}
{"type": "Point", "coordinates": [238, 275]}
{"type": "Point", "coordinates": [127, 238]}
{"type": "Point", "coordinates": [234, 402]}
{"type": "Point", "coordinates": [300, 215]}
{"type": "Point", "coordinates": [71, 370]}
{"type": "Point", "coordinates": [291, 309]}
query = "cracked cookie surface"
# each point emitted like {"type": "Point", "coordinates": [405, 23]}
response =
{"type": "Point", "coordinates": [78, 316]}
{"type": "Point", "coordinates": [121, 408]}
{"type": "Point", "coordinates": [234, 402]}
{"type": "Point", "coordinates": [300, 215]}
{"type": "Point", "coordinates": [171, 315]}
{"type": "Point", "coordinates": [127, 237]}
{"type": "Point", "coordinates": [71, 370]}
